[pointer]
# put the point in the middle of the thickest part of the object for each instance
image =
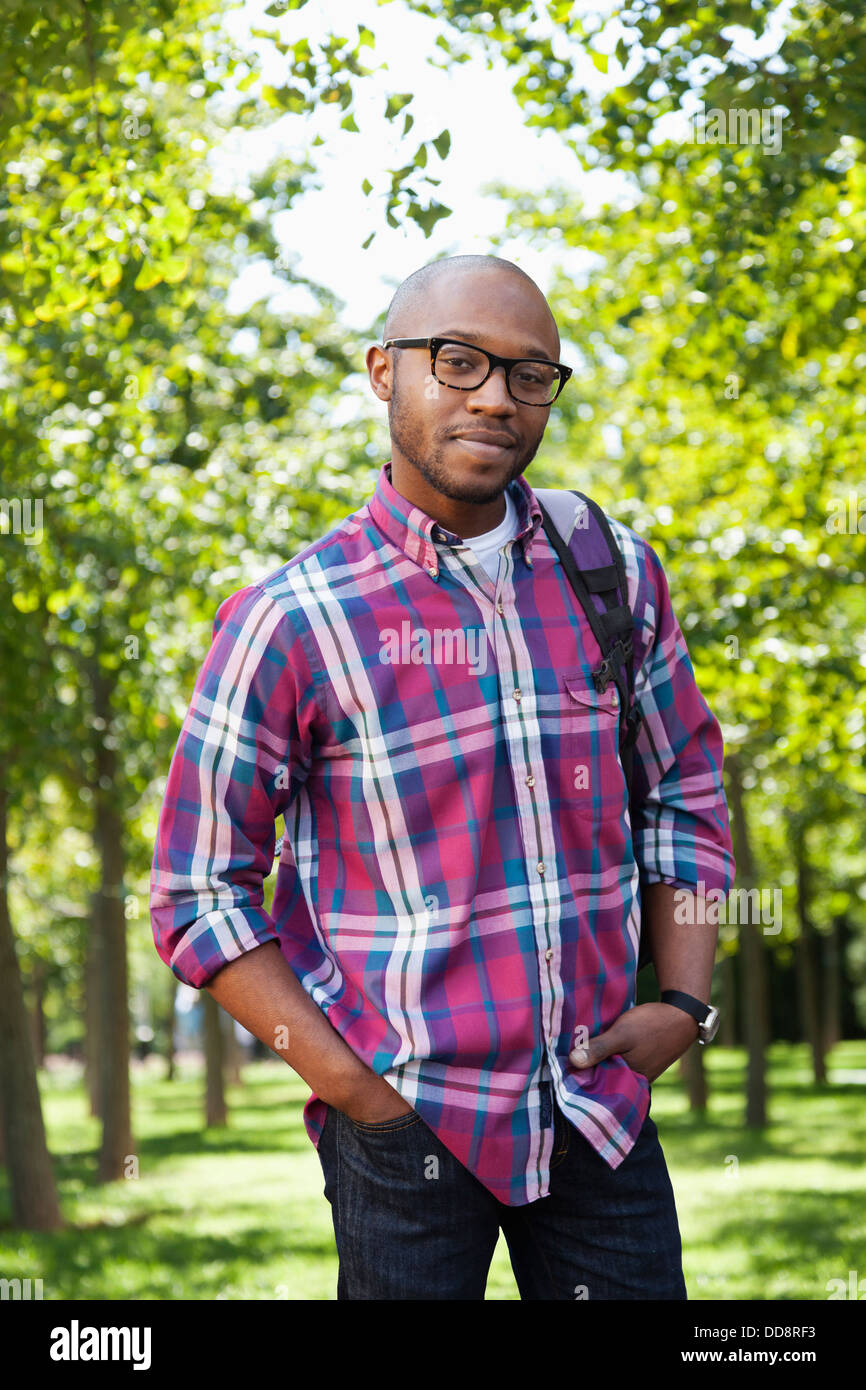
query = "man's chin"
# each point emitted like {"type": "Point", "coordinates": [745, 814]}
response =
{"type": "Point", "coordinates": [478, 482]}
{"type": "Point", "coordinates": [477, 493]}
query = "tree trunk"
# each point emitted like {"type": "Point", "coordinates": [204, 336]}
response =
{"type": "Point", "coordinates": [92, 1021]}
{"type": "Point", "coordinates": [831, 975]}
{"type": "Point", "coordinates": [805, 956]}
{"type": "Point", "coordinates": [234, 1052]}
{"type": "Point", "coordinates": [37, 1013]}
{"type": "Point", "coordinates": [694, 1077]}
{"type": "Point", "coordinates": [727, 1034]}
{"type": "Point", "coordinates": [111, 922]}
{"type": "Point", "coordinates": [31, 1178]}
{"type": "Point", "coordinates": [756, 1011]}
{"type": "Point", "coordinates": [170, 1033]}
{"type": "Point", "coordinates": [214, 1056]}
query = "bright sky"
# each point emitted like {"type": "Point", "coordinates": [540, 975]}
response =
{"type": "Point", "coordinates": [323, 232]}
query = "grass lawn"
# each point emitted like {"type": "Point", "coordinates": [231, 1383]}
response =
{"type": "Point", "coordinates": [239, 1213]}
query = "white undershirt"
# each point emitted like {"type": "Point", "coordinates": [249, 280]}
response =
{"type": "Point", "coordinates": [486, 547]}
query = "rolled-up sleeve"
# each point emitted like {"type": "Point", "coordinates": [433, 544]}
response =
{"type": "Point", "coordinates": [681, 826]}
{"type": "Point", "coordinates": [242, 755]}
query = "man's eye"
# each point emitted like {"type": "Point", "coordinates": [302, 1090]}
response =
{"type": "Point", "coordinates": [454, 359]}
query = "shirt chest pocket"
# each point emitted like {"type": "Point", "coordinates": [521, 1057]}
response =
{"type": "Point", "coordinates": [593, 783]}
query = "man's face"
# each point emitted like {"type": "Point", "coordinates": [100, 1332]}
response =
{"type": "Point", "coordinates": [468, 445]}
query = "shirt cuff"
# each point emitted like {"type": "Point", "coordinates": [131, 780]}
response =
{"type": "Point", "coordinates": [197, 952]}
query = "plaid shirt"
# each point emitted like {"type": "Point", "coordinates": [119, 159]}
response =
{"type": "Point", "coordinates": [458, 885]}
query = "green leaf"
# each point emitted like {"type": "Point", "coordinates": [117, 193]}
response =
{"type": "Point", "coordinates": [396, 103]}
{"type": "Point", "coordinates": [110, 273]}
{"type": "Point", "coordinates": [177, 219]}
{"type": "Point", "coordinates": [442, 144]}
{"type": "Point", "coordinates": [348, 123]}
{"type": "Point", "coordinates": [149, 275]}
{"type": "Point", "coordinates": [175, 269]}
{"type": "Point", "coordinates": [429, 216]}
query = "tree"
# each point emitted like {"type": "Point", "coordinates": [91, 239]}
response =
{"type": "Point", "coordinates": [163, 455]}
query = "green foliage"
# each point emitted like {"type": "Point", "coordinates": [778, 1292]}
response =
{"type": "Point", "coordinates": [172, 451]}
{"type": "Point", "coordinates": [136, 86]}
{"type": "Point", "coordinates": [103, 109]}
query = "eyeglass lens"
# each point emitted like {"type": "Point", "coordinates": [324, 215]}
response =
{"type": "Point", "coordinates": [533, 383]}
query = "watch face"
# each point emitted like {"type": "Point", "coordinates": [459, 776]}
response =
{"type": "Point", "coordinates": [710, 1026]}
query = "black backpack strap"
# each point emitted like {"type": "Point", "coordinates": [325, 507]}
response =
{"type": "Point", "coordinates": [618, 625]}
{"type": "Point", "coordinates": [612, 628]}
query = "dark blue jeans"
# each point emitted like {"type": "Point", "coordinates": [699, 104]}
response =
{"type": "Point", "coordinates": [411, 1222]}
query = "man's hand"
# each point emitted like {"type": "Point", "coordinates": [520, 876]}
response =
{"type": "Point", "coordinates": [650, 1037]}
{"type": "Point", "coordinates": [375, 1102]}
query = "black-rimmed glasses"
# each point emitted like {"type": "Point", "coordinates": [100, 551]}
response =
{"type": "Point", "coordinates": [465, 367]}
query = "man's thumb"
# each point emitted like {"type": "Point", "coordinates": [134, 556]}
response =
{"type": "Point", "coordinates": [594, 1050]}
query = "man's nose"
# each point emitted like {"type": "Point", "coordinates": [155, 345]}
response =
{"type": "Point", "coordinates": [493, 394]}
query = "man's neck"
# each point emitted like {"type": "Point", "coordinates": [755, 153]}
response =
{"type": "Point", "coordinates": [465, 519]}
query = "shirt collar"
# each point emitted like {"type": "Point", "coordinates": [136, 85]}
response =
{"type": "Point", "coordinates": [417, 534]}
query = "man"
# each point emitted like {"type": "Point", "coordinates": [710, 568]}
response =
{"type": "Point", "coordinates": [451, 957]}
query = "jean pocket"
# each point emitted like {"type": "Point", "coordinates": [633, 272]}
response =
{"type": "Point", "coordinates": [409, 1117]}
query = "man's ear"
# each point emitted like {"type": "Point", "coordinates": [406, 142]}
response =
{"type": "Point", "coordinates": [379, 370]}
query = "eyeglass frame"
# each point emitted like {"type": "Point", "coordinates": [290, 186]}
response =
{"type": "Point", "coordinates": [494, 360]}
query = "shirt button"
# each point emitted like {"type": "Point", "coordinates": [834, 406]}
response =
{"type": "Point", "coordinates": [541, 868]}
{"type": "Point", "coordinates": [499, 608]}
{"type": "Point", "coordinates": [432, 573]}
{"type": "Point", "coordinates": [548, 955]}
{"type": "Point", "coordinates": [518, 696]}
{"type": "Point", "coordinates": [530, 781]}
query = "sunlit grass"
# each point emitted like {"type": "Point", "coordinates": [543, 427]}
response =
{"type": "Point", "coordinates": [239, 1213]}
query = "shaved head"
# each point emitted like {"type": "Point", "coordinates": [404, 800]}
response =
{"type": "Point", "coordinates": [405, 315]}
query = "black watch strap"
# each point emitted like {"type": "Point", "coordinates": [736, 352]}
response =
{"type": "Point", "coordinates": [695, 1007]}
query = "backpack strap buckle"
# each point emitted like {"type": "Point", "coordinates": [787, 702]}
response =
{"type": "Point", "coordinates": [618, 657]}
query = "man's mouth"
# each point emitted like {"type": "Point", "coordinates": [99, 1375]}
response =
{"type": "Point", "coordinates": [487, 444]}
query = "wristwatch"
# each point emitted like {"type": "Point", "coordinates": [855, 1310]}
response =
{"type": "Point", "coordinates": [705, 1015]}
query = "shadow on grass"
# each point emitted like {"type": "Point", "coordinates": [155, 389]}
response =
{"type": "Point", "coordinates": [78, 1263]}
{"type": "Point", "coordinates": [785, 1242]}
{"type": "Point", "coordinates": [77, 1169]}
